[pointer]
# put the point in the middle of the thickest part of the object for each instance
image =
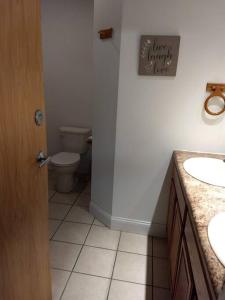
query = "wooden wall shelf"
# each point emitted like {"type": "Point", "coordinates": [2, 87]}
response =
{"type": "Point", "coordinates": [106, 33]}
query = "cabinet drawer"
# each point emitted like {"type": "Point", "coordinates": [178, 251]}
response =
{"type": "Point", "coordinates": [179, 193]}
{"type": "Point", "coordinates": [196, 265]}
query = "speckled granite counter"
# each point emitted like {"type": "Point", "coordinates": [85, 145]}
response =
{"type": "Point", "coordinates": [204, 202]}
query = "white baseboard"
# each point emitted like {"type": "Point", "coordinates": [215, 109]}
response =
{"type": "Point", "coordinates": [100, 214]}
{"type": "Point", "coordinates": [129, 225]}
{"type": "Point", "coordinates": [138, 226]}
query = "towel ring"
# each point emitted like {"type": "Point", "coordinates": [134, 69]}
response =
{"type": "Point", "coordinates": [217, 91]}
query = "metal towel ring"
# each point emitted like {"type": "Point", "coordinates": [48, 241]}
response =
{"type": "Point", "coordinates": [217, 91]}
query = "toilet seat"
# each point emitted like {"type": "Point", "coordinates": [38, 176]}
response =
{"type": "Point", "coordinates": [63, 159]}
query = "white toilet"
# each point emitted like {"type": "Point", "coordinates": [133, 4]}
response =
{"type": "Point", "coordinates": [74, 143]}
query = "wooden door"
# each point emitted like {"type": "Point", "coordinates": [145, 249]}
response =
{"type": "Point", "coordinates": [24, 262]}
{"type": "Point", "coordinates": [184, 286]}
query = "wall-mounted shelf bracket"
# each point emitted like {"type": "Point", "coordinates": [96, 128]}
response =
{"type": "Point", "coordinates": [211, 87]}
{"type": "Point", "coordinates": [106, 33]}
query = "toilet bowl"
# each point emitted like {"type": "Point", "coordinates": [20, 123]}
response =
{"type": "Point", "coordinates": [65, 163]}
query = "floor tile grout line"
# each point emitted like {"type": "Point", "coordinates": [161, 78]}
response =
{"type": "Point", "coordinates": [60, 269]}
{"type": "Point", "coordinates": [76, 195]}
{"type": "Point", "coordinates": [63, 203]}
{"type": "Point", "coordinates": [83, 244]}
{"type": "Point", "coordinates": [49, 198]}
{"type": "Point", "coordinates": [114, 266]}
{"type": "Point", "coordinates": [148, 255]}
{"type": "Point", "coordinates": [143, 284]}
{"type": "Point", "coordinates": [75, 262]}
{"type": "Point", "coordinates": [99, 276]}
{"type": "Point", "coordinates": [88, 246]}
{"type": "Point", "coordinates": [68, 204]}
{"type": "Point", "coordinates": [103, 248]}
{"type": "Point", "coordinates": [60, 221]}
{"type": "Point", "coordinates": [65, 242]}
{"type": "Point", "coordinates": [116, 279]}
{"type": "Point", "coordinates": [54, 231]}
{"type": "Point", "coordinates": [103, 226]}
{"type": "Point", "coordinates": [67, 221]}
{"type": "Point", "coordinates": [65, 217]}
{"type": "Point", "coordinates": [96, 225]}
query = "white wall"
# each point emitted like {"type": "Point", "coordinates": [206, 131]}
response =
{"type": "Point", "coordinates": [156, 115]}
{"type": "Point", "coordinates": [107, 13]}
{"type": "Point", "coordinates": [67, 30]}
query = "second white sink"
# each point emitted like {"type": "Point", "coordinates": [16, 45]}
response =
{"type": "Point", "coordinates": [209, 170]}
{"type": "Point", "coordinates": [216, 230]}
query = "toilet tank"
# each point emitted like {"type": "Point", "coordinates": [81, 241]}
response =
{"type": "Point", "coordinates": [74, 139]}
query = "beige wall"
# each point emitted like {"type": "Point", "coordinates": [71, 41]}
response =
{"type": "Point", "coordinates": [107, 13]}
{"type": "Point", "coordinates": [67, 30]}
{"type": "Point", "coordinates": [156, 115]}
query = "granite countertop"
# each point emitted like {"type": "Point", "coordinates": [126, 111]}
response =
{"type": "Point", "coordinates": [204, 202]}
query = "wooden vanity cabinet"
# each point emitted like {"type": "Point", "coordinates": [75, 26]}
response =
{"type": "Point", "coordinates": [184, 285]}
{"type": "Point", "coordinates": [174, 230]}
{"type": "Point", "coordinates": [201, 284]}
{"type": "Point", "coordinates": [172, 203]}
{"type": "Point", "coordinates": [175, 242]}
{"type": "Point", "coordinates": [188, 280]}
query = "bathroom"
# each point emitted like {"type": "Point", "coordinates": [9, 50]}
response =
{"type": "Point", "coordinates": [134, 222]}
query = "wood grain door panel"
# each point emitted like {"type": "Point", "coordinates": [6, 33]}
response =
{"type": "Point", "coordinates": [24, 263]}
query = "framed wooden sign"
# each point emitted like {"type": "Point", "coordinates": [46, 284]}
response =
{"type": "Point", "coordinates": [158, 55]}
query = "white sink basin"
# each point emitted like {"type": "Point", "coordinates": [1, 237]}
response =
{"type": "Point", "coordinates": [209, 170]}
{"type": "Point", "coordinates": [216, 234]}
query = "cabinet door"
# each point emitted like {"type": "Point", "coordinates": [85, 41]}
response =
{"type": "Point", "coordinates": [201, 284]}
{"type": "Point", "coordinates": [184, 286]}
{"type": "Point", "coordinates": [170, 217]}
{"type": "Point", "coordinates": [174, 244]}
{"type": "Point", "coordinates": [179, 194]}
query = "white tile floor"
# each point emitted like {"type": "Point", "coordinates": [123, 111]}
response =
{"type": "Point", "coordinates": [91, 262]}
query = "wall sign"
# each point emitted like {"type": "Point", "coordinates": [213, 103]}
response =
{"type": "Point", "coordinates": [158, 55]}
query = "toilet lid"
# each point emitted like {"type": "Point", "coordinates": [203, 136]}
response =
{"type": "Point", "coordinates": [65, 158]}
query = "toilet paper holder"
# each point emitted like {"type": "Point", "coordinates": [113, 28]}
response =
{"type": "Point", "coordinates": [216, 90]}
